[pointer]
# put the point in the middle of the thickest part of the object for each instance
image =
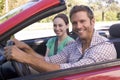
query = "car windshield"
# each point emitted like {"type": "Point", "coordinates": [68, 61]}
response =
{"type": "Point", "coordinates": [17, 10]}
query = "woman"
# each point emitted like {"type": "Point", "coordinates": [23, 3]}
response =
{"type": "Point", "coordinates": [61, 28]}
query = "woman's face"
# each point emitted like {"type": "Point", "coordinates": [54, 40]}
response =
{"type": "Point", "coordinates": [59, 26]}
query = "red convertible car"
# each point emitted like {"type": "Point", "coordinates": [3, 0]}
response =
{"type": "Point", "coordinates": [30, 13]}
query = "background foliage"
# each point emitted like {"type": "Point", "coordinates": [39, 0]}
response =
{"type": "Point", "coordinates": [104, 10]}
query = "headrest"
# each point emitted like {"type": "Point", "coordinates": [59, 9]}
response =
{"type": "Point", "coordinates": [115, 30]}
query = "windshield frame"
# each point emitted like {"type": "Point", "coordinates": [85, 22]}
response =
{"type": "Point", "coordinates": [17, 10]}
{"type": "Point", "coordinates": [37, 12]}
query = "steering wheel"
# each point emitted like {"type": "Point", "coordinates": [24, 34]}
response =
{"type": "Point", "coordinates": [20, 68]}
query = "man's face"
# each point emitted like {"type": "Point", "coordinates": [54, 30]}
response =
{"type": "Point", "coordinates": [82, 25]}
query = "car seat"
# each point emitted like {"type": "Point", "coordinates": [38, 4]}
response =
{"type": "Point", "coordinates": [73, 35]}
{"type": "Point", "coordinates": [114, 32]}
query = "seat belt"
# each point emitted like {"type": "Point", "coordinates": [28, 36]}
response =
{"type": "Point", "coordinates": [56, 46]}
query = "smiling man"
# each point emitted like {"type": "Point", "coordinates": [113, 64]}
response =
{"type": "Point", "coordinates": [88, 48]}
{"type": "Point", "coordinates": [82, 19]}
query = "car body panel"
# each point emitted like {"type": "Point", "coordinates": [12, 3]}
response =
{"type": "Point", "coordinates": [102, 74]}
{"type": "Point", "coordinates": [81, 73]}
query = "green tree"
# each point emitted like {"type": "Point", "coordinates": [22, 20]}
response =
{"type": "Point", "coordinates": [98, 6]}
{"type": "Point", "coordinates": [111, 16]}
{"type": "Point", "coordinates": [11, 5]}
{"type": "Point", "coordinates": [2, 2]}
{"type": "Point", "coordinates": [118, 15]}
{"type": "Point", "coordinates": [15, 3]}
{"type": "Point", "coordinates": [69, 4]}
{"type": "Point", "coordinates": [104, 7]}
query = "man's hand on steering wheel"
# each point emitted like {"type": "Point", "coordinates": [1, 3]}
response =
{"type": "Point", "coordinates": [23, 46]}
{"type": "Point", "coordinates": [16, 56]}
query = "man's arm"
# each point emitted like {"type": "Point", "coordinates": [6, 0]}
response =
{"type": "Point", "coordinates": [49, 63]}
{"type": "Point", "coordinates": [41, 65]}
{"type": "Point", "coordinates": [33, 59]}
{"type": "Point", "coordinates": [29, 56]}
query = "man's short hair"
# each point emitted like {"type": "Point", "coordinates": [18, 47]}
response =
{"type": "Point", "coordinates": [82, 8]}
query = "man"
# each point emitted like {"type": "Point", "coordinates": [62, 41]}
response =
{"type": "Point", "coordinates": [88, 48]}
